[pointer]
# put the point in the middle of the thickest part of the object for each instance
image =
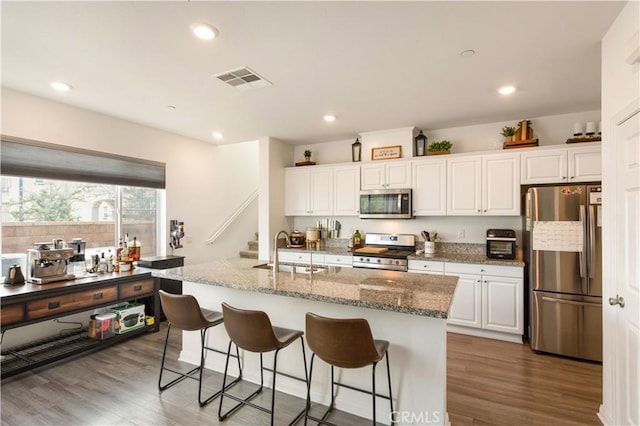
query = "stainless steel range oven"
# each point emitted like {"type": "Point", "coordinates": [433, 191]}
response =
{"type": "Point", "coordinates": [385, 251]}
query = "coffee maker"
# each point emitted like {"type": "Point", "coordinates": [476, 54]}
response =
{"type": "Point", "coordinates": [46, 264]}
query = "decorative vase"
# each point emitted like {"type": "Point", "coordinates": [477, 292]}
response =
{"type": "Point", "coordinates": [307, 159]}
{"type": "Point", "coordinates": [429, 247]}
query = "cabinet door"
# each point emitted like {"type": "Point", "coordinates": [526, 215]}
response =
{"type": "Point", "coordinates": [501, 185]}
{"type": "Point", "coordinates": [502, 304]}
{"type": "Point", "coordinates": [296, 192]}
{"type": "Point", "coordinates": [467, 302]}
{"type": "Point", "coordinates": [429, 185]}
{"type": "Point", "coordinates": [549, 166]}
{"type": "Point", "coordinates": [464, 186]}
{"type": "Point", "coordinates": [373, 176]}
{"type": "Point", "coordinates": [585, 164]}
{"type": "Point", "coordinates": [346, 191]}
{"type": "Point", "coordinates": [321, 192]}
{"type": "Point", "coordinates": [398, 175]}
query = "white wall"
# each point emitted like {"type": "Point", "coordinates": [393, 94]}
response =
{"type": "Point", "coordinates": [550, 130]}
{"type": "Point", "coordinates": [447, 227]}
{"type": "Point", "coordinates": [205, 182]}
{"type": "Point", "coordinates": [620, 87]}
{"type": "Point", "coordinates": [277, 155]}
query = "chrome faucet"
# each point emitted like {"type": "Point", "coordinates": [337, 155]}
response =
{"type": "Point", "coordinates": [276, 265]}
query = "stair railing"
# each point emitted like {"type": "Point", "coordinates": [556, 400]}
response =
{"type": "Point", "coordinates": [232, 218]}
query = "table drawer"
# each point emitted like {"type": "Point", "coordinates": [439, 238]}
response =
{"type": "Point", "coordinates": [70, 302]}
{"type": "Point", "coordinates": [137, 289]}
{"type": "Point", "coordinates": [12, 314]}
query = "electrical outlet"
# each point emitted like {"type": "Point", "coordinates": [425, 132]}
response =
{"type": "Point", "coordinates": [461, 233]}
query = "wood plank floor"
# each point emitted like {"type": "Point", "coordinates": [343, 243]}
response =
{"type": "Point", "coordinates": [489, 382]}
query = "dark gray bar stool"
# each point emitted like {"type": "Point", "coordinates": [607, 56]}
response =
{"type": "Point", "coordinates": [253, 332]}
{"type": "Point", "coordinates": [185, 313]}
{"type": "Point", "coordinates": [345, 343]}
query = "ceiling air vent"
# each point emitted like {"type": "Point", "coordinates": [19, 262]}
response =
{"type": "Point", "coordinates": [243, 79]}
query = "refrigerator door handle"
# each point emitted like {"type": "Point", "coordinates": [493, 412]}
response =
{"type": "Point", "coordinates": [569, 302]}
{"type": "Point", "coordinates": [592, 240]}
{"type": "Point", "coordinates": [582, 253]}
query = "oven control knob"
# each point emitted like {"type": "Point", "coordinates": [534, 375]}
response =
{"type": "Point", "coordinates": [379, 260]}
{"type": "Point", "coordinates": [397, 262]}
{"type": "Point", "coordinates": [368, 260]}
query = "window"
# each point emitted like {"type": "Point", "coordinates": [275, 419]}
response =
{"type": "Point", "coordinates": [38, 210]}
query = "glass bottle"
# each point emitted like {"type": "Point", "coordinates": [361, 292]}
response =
{"type": "Point", "coordinates": [357, 239]}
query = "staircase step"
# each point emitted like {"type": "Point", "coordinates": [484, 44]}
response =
{"type": "Point", "coordinates": [253, 245]}
{"type": "Point", "coordinates": [249, 254]}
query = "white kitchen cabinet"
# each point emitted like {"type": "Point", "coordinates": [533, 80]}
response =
{"type": "Point", "coordinates": [464, 186]}
{"type": "Point", "coordinates": [501, 185]}
{"type": "Point", "coordinates": [388, 175]}
{"type": "Point", "coordinates": [346, 190]}
{"type": "Point", "coordinates": [429, 184]}
{"type": "Point", "coordinates": [488, 301]}
{"type": "Point", "coordinates": [309, 191]}
{"type": "Point", "coordinates": [466, 306]}
{"type": "Point", "coordinates": [486, 185]}
{"type": "Point", "coordinates": [426, 267]}
{"type": "Point", "coordinates": [338, 260]}
{"type": "Point", "coordinates": [562, 165]}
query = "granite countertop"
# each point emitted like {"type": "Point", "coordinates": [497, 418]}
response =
{"type": "Point", "coordinates": [416, 294]}
{"type": "Point", "coordinates": [441, 256]}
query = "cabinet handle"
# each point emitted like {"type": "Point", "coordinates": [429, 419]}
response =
{"type": "Point", "coordinates": [478, 281]}
{"type": "Point", "coordinates": [481, 270]}
{"type": "Point", "coordinates": [485, 210]}
{"type": "Point", "coordinates": [53, 305]}
{"type": "Point", "coordinates": [564, 177]}
{"type": "Point", "coordinates": [478, 210]}
{"type": "Point", "coordinates": [137, 287]}
{"type": "Point", "coordinates": [571, 177]}
{"type": "Point", "coordinates": [97, 296]}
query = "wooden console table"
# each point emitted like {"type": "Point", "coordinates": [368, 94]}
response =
{"type": "Point", "coordinates": [31, 303]}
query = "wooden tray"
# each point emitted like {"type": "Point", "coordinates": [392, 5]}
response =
{"type": "Point", "coordinates": [376, 250]}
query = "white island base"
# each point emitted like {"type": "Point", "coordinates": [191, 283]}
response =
{"type": "Point", "coordinates": [418, 355]}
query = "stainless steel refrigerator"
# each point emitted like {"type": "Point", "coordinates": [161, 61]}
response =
{"type": "Point", "coordinates": [563, 249]}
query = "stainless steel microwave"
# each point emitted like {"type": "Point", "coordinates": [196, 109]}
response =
{"type": "Point", "coordinates": [386, 204]}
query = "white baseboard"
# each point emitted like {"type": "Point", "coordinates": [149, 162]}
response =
{"type": "Point", "coordinates": [489, 334]}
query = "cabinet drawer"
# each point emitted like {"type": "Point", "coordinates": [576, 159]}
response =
{"type": "Point", "coordinates": [288, 256]}
{"type": "Point", "coordinates": [136, 289]}
{"type": "Point", "coordinates": [12, 314]}
{"type": "Point", "coordinates": [426, 265]}
{"type": "Point", "coordinates": [337, 259]}
{"type": "Point", "coordinates": [482, 269]}
{"type": "Point", "coordinates": [69, 302]}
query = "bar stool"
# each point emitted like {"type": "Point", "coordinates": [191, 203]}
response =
{"type": "Point", "coordinates": [253, 332]}
{"type": "Point", "coordinates": [345, 343]}
{"type": "Point", "coordinates": [184, 312]}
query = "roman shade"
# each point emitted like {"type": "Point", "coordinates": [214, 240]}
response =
{"type": "Point", "coordinates": [23, 157]}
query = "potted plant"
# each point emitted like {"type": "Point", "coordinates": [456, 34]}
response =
{"type": "Point", "coordinates": [508, 132]}
{"type": "Point", "coordinates": [307, 155]}
{"type": "Point", "coordinates": [441, 147]}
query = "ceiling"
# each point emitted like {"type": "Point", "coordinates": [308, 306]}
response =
{"type": "Point", "coordinates": [375, 65]}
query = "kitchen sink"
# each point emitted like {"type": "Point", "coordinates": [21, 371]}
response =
{"type": "Point", "coordinates": [292, 268]}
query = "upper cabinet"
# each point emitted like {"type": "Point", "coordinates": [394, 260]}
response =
{"type": "Point", "coordinates": [391, 175]}
{"type": "Point", "coordinates": [309, 191]}
{"type": "Point", "coordinates": [484, 185]}
{"type": "Point", "coordinates": [346, 190]}
{"type": "Point", "coordinates": [562, 165]}
{"type": "Point", "coordinates": [429, 184]}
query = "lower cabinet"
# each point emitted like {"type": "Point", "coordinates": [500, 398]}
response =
{"type": "Point", "coordinates": [489, 301]}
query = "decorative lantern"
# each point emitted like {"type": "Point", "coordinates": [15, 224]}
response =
{"type": "Point", "coordinates": [420, 145]}
{"type": "Point", "coordinates": [356, 150]}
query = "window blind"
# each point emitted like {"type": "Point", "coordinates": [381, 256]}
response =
{"type": "Point", "coordinates": [23, 157]}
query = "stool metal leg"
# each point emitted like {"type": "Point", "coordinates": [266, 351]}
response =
{"type": "Point", "coordinates": [183, 376]}
{"type": "Point", "coordinates": [390, 393]}
{"type": "Point", "coordinates": [373, 390]}
{"type": "Point", "coordinates": [212, 397]}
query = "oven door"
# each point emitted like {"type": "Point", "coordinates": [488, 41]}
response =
{"type": "Point", "coordinates": [501, 248]}
{"type": "Point", "coordinates": [386, 204]}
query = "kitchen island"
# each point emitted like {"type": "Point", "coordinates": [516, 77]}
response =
{"type": "Point", "coordinates": [408, 310]}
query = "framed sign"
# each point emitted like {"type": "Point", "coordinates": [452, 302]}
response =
{"type": "Point", "coordinates": [386, 152]}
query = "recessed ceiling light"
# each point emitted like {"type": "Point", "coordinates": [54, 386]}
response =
{"type": "Point", "coordinates": [506, 90]}
{"type": "Point", "coordinates": [60, 86]}
{"type": "Point", "coordinates": [217, 136]}
{"type": "Point", "coordinates": [204, 31]}
{"type": "Point", "coordinates": [467, 53]}
{"type": "Point", "coordinates": [329, 118]}
{"type": "Point", "coordinates": [171, 106]}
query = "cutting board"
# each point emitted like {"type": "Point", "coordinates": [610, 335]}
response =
{"type": "Point", "coordinates": [376, 250]}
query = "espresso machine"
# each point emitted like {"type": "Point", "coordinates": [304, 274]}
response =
{"type": "Point", "coordinates": [46, 264]}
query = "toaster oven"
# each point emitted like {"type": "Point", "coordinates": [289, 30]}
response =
{"type": "Point", "coordinates": [501, 244]}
